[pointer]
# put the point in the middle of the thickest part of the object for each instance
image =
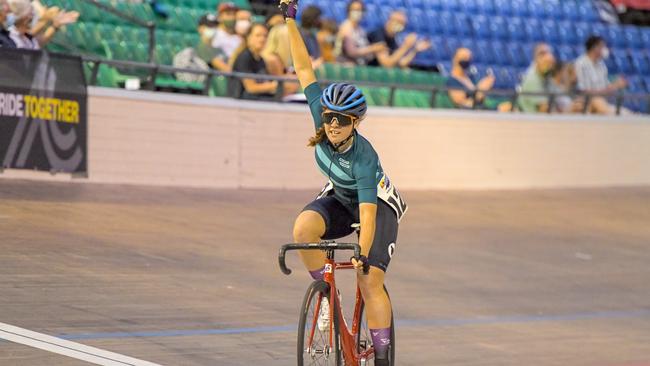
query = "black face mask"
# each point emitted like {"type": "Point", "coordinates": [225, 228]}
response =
{"type": "Point", "coordinates": [465, 64]}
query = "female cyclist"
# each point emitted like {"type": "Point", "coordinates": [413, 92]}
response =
{"type": "Point", "coordinates": [356, 181]}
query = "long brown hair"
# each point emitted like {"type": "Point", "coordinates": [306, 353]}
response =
{"type": "Point", "coordinates": [318, 138]}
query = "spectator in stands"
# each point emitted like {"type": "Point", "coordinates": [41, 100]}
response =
{"type": "Point", "coordinates": [563, 80]}
{"type": "Point", "coordinates": [276, 53]}
{"type": "Point", "coordinates": [225, 37]}
{"type": "Point", "coordinates": [243, 22]}
{"type": "Point", "coordinates": [465, 93]}
{"type": "Point", "coordinates": [216, 58]}
{"type": "Point", "coordinates": [309, 27]}
{"type": "Point", "coordinates": [5, 39]}
{"type": "Point", "coordinates": [274, 18]}
{"type": "Point", "coordinates": [537, 80]}
{"type": "Point", "coordinates": [352, 40]}
{"type": "Point", "coordinates": [327, 40]}
{"type": "Point", "coordinates": [250, 61]}
{"type": "Point", "coordinates": [394, 54]}
{"type": "Point", "coordinates": [20, 30]}
{"type": "Point", "coordinates": [593, 78]}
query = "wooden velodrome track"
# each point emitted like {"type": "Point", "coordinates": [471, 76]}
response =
{"type": "Point", "coordinates": [190, 277]}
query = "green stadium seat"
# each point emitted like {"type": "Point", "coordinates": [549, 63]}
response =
{"type": "Point", "coordinates": [412, 98]}
{"type": "Point", "coordinates": [219, 86]}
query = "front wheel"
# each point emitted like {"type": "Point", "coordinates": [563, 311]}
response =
{"type": "Point", "coordinates": [364, 340]}
{"type": "Point", "coordinates": [314, 346]}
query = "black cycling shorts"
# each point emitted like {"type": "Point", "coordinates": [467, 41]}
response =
{"type": "Point", "coordinates": [338, 223]}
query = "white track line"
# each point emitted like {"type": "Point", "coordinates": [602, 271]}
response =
{"type": "Point", "coordinates": [67, 348]}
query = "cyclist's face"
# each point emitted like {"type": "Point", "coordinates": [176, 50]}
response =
{"type": "Point", "coordinates": [336, 132]}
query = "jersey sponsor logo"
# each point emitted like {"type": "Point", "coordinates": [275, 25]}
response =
{"type": "Point", "coordinates": [328, 268]}
{"type": "Point", "coordinates": [344, 163]}
{"type": "Point", "coordinates": [391, 250]}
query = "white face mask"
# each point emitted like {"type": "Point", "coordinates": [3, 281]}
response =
{"type": "Point", "coordinates": [356, 15]}
{"type": "Point", "coordinates": [242, 26]}
{"type": "Point", "coordinates": [10, 20]}
{"type": "Point", "coordinates": [208, 33]}
{"type": "Point", "coordinates": [605, 53]}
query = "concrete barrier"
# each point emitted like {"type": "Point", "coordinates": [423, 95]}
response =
{"type": "Point", "coordinates": [177, 140]}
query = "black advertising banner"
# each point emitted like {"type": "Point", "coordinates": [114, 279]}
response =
{"type": "Point", "coordinates": [43, 112]}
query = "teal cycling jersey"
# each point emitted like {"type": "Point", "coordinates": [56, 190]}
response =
{"type": "Point", "coordinates": [354, 173]}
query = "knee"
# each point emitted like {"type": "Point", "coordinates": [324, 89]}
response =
{"type": "Point", "coordinates": [308, 228]}
{"type": "Point", "coordinates": [371, 285]}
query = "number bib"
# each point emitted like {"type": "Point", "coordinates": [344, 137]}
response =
{"type": "Point", "coordinates": [385, 192]}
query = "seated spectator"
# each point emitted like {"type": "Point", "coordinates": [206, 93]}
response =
{"type": "Point", "coordinates": [537, 80]}
{"type": "Point", "coordinates": [20, 30]}
{"type": "Point", "coordinates": [250, 61]}
{"type": "Point", "coordinates": [563, 80]}
{"type": "Point", "coordinates": [326, 37]}
{"type": "Point", "coordinates": [465, 91]}
{"type": "Point", "coordinates": [243, 22]}
{"type": "Point", "coordinates": [5, 38]}
{"type": "Point", "coordinates": [309, 26]}
{"type": "Point", "coordinates": [592, 75]}
{"type": "Point", "coordinates": [352, 40]}
{"type": "Point", "coordinates": [274, 18]}
{"type": "Point", "coordinates": [216, 58]}
{"type": "Point", "coordinates": [225, 37]}
{"type": "Point", "coordinates": [394, 54]}
{"type": "Point", "coordinates": [277, 53]}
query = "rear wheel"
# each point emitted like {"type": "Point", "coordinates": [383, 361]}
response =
{"type": "Point", "coordinates": [316, 350]}
{"type": "Point", "coordinates": [364, 340]}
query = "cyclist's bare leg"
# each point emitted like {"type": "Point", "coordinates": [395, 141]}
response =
{"type": "Point", "coordinates": [377, 302]}
{"type": "Point", "coordinates": [309, 228]}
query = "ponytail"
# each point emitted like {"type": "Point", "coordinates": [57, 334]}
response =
{"type": "Point", "coordinates": [318, 138]}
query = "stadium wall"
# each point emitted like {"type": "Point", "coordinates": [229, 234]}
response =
{"type": "Point", "coordinates": [193, 141]}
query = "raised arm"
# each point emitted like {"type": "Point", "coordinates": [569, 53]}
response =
{"type": "Point", "coordinates": [301, 60]}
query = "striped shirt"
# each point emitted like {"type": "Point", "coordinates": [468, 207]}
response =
{"type": "Point", "coordinates": [591, 76]}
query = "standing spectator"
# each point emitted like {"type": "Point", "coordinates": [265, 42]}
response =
{"type": "Point", "coordinates": [464, 90]}
{"type": "Point", "coordinates": [216, 58]}
{"type": "Point", "coordinates": [225, 37]}
{"type": "Point", "coordinates": [326, 37]}
{"type": "Point", "coordinates": [352, 39]}
{"type": "Point", "coordinates": [309, 27]}
{"type": "Point", "coordinates": [394, 54]}
{"type": "Point", "coordinates": [250, 61]}
{"type": "Point", "coordinates": [243, 22]}
{"type": "Point", "coordinates": [5, 38]}
{"type": "Point", "coordinates": [593, 78]}
{"type": "Point", "coordinates": [537, 80]}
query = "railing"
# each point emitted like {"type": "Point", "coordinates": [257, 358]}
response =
{"type": "Point", "coordinates": [510, 95]}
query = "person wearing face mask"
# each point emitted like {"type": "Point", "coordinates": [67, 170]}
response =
{"type": "Point", "coordinates": [352, 41]}
{"type": "Point", "coordinates": [593, 77]}
{"type": "Point", "coordinates": [216, 58]}
{"type": "Point", "coordinates": [537, 80]}
{"type": "Point", "coordinates": [463, 90]}
{"type": "Point", "coordinates": [225, 37]}
{"type": "Point", "coordinates": [20, 30]}
{"type": "Point", "coordinates": [6, 20]}
{"type": "Point", "coordinates": [310, 24]}
{"type": "Point", "coordinates": [243, 21]}
{"type": "Point", "coordinates": [394, 54]}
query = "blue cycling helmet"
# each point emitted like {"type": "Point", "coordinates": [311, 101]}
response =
{"type": "Point", "coordinates": [344, 98]}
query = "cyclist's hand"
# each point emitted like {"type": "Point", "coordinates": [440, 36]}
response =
{"type": "Point", "coordinates": [361, 264]}
{"type": "Point", "coordinates": [289, 8]}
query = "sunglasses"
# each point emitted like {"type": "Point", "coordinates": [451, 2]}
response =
{"type": "Point", "coordinates": [342, 119]}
